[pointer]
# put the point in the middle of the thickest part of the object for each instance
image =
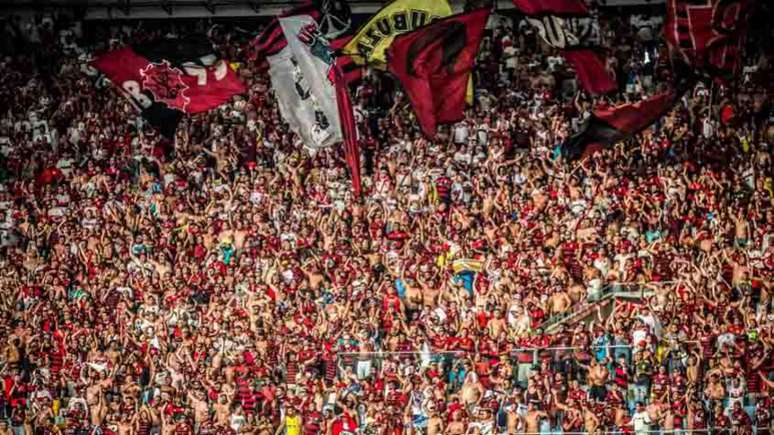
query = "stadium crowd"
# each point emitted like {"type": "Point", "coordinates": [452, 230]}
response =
{"type": "Point", "coordinates": [227, 281]}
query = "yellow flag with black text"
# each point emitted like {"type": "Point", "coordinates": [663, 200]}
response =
{"type": "Point", "coordinates": [372, 40]}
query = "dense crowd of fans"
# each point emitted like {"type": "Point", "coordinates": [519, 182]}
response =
{"type": "Point", "coordinates": [227, 281]}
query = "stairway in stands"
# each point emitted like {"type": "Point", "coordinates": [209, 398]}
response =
{"type": "Point", "coordinates": [586, 312]}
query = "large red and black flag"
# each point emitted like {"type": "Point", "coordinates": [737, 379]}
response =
{"type": "Point", "coordinates": [433, 64]}
{"type": "Point", "coordinates": [168, 78]}
{"type": "Point", "coordinates": [569, 26]}
{"type": "Point", "coordinates": [708, 34]}
{"type": "Point", "coordinates": [609, 125]}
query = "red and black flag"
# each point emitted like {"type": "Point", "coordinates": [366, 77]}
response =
{"type": "Point", "coordinates": [615, 123]}
{"type": "Point", "coordinates": [569, 26]}
{"type": "Point", "coordinates": [708, 34]}
{"type": "Point", "coordinates": [167, 78]}
{"type": "Point", "coordinates": [348, 128]}
{"type": "Point", "coordinates": [272, 39]}
{"type": "Point", "coordinates": [351, 72]}
{"type": "Point", "coordinates": [433, 64]}
{"type": "Point", "coordinates": [333, 17]}
{"type": "Point", "coordinates": [552, 7]}
{"type": "Point", "coordinates": [591, 69]}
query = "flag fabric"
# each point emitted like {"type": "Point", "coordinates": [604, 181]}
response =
{"type": "Point", "coordinates": [272, 40]}
{"type": "Point", "coordinates": [569, 26]}
{"type": "Point", "coordinates": [348, 129]}
{"type": "Point", "coordinates": [434, 64]}
{"type": "Point", "coordinates": [612, 124]}
{"type": "Point", "coordinates": [295, 103]}
{"type": "Point", "coordinates": [168, 78]}
{"type": "Point", "coordinates": [467, 265]}
{"type": "Point", "coordinates": [708, 35]}
{"type": "Point", "coordinates": [351, 71]}
{"type": "Point", "coordinates": [591, 69]}
{"type": "Point", "coordinates": [371, 41]}
{"type": "Point", "coordinates": [333, 16]}
{"type": "Point", "coordinates": [552, 7]}
{"type": "Point", "coordinates": [302, 77]}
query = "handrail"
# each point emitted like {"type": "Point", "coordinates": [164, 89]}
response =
{"type": "Point", "coordinates": [608, 292]}
{"type": "Point", "coordinates": [511, 352]}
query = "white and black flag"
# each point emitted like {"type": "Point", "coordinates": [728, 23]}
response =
{"type": "Point", "coordinates": [567, 32]}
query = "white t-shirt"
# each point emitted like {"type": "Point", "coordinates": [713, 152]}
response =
{"type": "Point", "coordinates": [641, 421]}
{"type": "Point", "coordinates": [461, 132]}
{"type": "Point", "coordinates": [510, 57]}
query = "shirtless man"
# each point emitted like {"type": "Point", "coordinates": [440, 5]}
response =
{"type": "Point", "coordinates": [125, 425]}
{"type": "Point", "coordinates": [514, 422]}
{"type": "Point", "coordinates": [559, 302]}
{"type": "Point", "coordinates": [198, 402]}
{"type": "Point", "coordinates": [741, 229]}
{"type": "Point", "coordinates": [413, 299]}
{"type": "Point", "coordinates": [93, 393]}
{"type": "Point", "coordinates": [692, 371]}
{"type": "Point", "coordinates": [667, 418]}
{"type": "Point", "coordinates": [313, 276]}
{"type": "Point", "coordinates": [715, 389]}
{"type": "Point", "coordinates": [435, 424]}
{"type": "Point", "coordinates": [98, 410]}
{"type": "Point", "coordinates": [472, 391]}
{"type": "Point", "coordinates": [222, 411]}
{"type": "Point", "coordinates": [168, 425]}
{"type": "Point", "coordinates": [497, 324]}
{"type": "Point", "coordinates": [598, 375]}
{"type": "Point", "coordinates": [591, 421]}
{"type": "Point", "coordinates": [430, 296]}
{"type": "Point", "coordinates": [533, 416]}
{"type": "Point", "coordinates": [457, 426]}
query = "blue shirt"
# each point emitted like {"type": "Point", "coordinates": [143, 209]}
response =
{"type": "Point", "coordinates": [400, 288]}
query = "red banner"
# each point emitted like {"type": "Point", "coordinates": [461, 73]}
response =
{"type": "Point", "coordinates": [189, 88]}
{"type": "Point", "coordinates": [615, 123]}
{"type": "Point", "coordinates": [708, 34]}
{"type": "Point", "coordinates": [434, 62]}
{"type": "Point", "coordinates": [591, 70]}
{"type": "Point", "coordinates": [552, 7]}
{"type": "Point", "coordinates": [348, 129]}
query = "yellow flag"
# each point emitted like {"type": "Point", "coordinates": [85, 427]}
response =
{"type": "Point", "coordinates": [468, 264]}
{"type": "Point", "coordinates": [399, 16]}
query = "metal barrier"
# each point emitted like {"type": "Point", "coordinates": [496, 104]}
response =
{"type": "Point", "coordinates": [613, 290]}
{"type": "Point", "coordinates": [522, 361]}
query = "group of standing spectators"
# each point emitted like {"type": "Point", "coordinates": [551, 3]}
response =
{"type": "Point", "coordinates": [227, 281]}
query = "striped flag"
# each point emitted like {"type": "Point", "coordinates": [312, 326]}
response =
{"type": "Point", "coordinates": [348, 129]}
{"type": "Point", "coordinates": [272, 40]}
{"type": "Point", "coordinates": [351, 72]}
{"type": "Point", "coordinates": [708, 34]}
{"type": "Point", "coordinates": [333, 18]}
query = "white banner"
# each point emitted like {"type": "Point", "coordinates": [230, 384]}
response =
{"type": "Point", "coordinates": [303, 83]}
{"type": "Point", "coordinates": [296, 103]}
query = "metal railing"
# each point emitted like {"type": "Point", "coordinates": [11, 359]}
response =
{"type": "Point", "coordinates": [521, 360]}
{"type": "Point", "coordinates": [613, 290]}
